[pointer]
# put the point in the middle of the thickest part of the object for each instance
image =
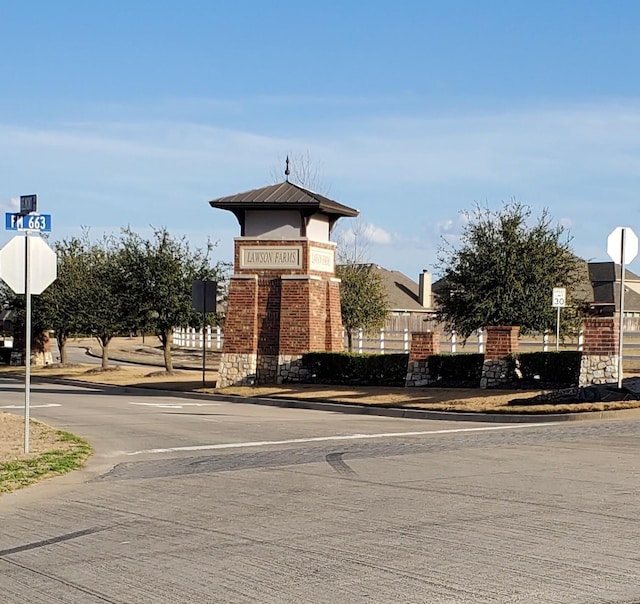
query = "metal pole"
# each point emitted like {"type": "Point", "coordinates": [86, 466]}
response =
{"type": "Point", "coordinates": [558, 330]}
{"type": "Point", "coordinates": [204, 350]}
{"type": "Point", "coordinates": [27, 353]}
{"type": "Point", "coordinates": [621, 308]}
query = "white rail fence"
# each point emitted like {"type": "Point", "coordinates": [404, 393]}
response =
{"type": "Point", "coordinates": [387, 341]}
{"type": "Point", "coordinates": [189, 337]}
{"type": "Point", "coordinates": [398, 341]}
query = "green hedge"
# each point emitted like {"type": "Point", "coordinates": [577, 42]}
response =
{"type": "Point", "coordinates": [456, 370]}
{"type": "Point", "coordinates": [546, 369]}
{"type": "Point", "coordinates": [356, 368]}
{"type": "Point", "coordinates": [536, 369]}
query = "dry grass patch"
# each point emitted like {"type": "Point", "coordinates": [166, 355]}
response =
{"type": "Point", "coordinates": [461, 400]}
{"type": "Point", "coordinates": [51, 452]}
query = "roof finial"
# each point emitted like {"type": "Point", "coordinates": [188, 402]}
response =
{"type": "Point", "coordinates": [286, 170]}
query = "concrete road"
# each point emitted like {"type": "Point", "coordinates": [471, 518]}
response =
{"type": "Point", "coordinates": [205, 502]}
{"type": "Point", "coordinates": [77, 353]}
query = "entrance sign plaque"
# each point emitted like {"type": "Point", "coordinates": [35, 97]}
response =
{"type": "Point", "coordinates": [274, 257]}
{"type": "Point", "coordinates": [321, 260]}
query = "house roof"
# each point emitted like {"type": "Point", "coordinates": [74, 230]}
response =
{"type": "Point", "coordinates": [605, 277]}
{"type": "Point", "coordinates": [283, 196]}
{"type": "Point", "coordinates": [402, 292]}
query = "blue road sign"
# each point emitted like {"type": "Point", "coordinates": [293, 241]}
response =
{"type": "Point", "coordinates": [28, 222]}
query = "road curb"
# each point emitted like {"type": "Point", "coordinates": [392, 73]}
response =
{"type": "Point", "coordinates": [361, 409]}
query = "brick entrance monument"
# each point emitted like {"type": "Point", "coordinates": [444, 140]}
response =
{"type": "Point", "coordinates": [284, 299]}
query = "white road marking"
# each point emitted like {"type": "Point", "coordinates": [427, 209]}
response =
{"type": "Point", "coordinates": [174, 406]}
{"type": "Point", "coordinates": [31, 406]}
{"type": "Point", "coordinates": [316, 439]}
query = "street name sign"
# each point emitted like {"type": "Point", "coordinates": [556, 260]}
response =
{"type": "Point", "coordinates": [28, 222]}
{"type": "Point", "coordinates": [28, 203]}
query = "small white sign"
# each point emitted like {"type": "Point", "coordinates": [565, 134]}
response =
{"type": "Point", "coordinates": [559, 297]}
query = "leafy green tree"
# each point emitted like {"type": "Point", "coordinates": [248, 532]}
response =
{"type": "Point", "coordinates": [62, 306]}
{"type": "Point", "coordinates": [362, 298]}
{"type": "Point", "coordinates": [103, 312]}
{"type": "Point", "coordinates": [159, 274]}
{"type": "Point", "coordinates": [504, 270]}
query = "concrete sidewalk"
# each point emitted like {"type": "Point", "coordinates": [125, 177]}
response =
{"type": "Point", "coordinates": [148, 351]}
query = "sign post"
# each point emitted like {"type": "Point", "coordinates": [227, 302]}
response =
{"type": "Point", "coordinates": [27, 268]}
{"type": "Point", "coordinates": [559, 301]}
{"type": "Point", "coordinates": [204, 296]}
{"type": "Point", "coordinates": [622, 247]}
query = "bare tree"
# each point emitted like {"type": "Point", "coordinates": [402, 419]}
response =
{"type": "Point", "coordinates": [303, 171]}
{"type": "Point", "coordinates": [352, 241]}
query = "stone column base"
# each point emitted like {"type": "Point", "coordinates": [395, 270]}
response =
{"type": "Point", "coordinates": [598, 369]}
{"type": "Point", "coordinates": [418, 374]}
{"type": "Point", "coordinates": [237, 369]}
{"type": "Point", "coordinates": [290, 369]}
{"type": "Point", "coordinates": [494, 373]}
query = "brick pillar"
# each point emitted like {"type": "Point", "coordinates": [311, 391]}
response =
{"type": "Point", "coordinates": [600, 349]}
{"type": "Point", "coordinates": [239, 351]}
{"type": "Point", "coordinates": [295, 328]}
{"type": "Point", "coordinates": [334, 338]}
{"type": "Point", "coordinates": [423, 345]}
{"type": "Point", "coordinates": [501, 342]}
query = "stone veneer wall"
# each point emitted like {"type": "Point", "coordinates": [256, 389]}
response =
{"type": "Point", "coordinates": [290, 369]}
{"type": "Point", "coordinates": [501, 341]}
{"type": "Point", "coordinates": [599, 363]}
{"type": "Point", "coordinates": [423, 345]}
{"type": "Point", "coordinates": [237, 369]}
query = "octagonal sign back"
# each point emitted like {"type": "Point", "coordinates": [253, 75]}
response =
{"type": "Point", "coordinates": [615, 245]}
{"type": "Point", "coordinates": [43, 266]}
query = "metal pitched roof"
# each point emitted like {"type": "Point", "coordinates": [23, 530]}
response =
{"type": "Point", "coordinates": [284, 195]}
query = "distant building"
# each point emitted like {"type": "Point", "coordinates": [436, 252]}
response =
{"type": "Point", "coordinates": [605, 289]}
{"type": "Point", "coordinates": [410, 303]}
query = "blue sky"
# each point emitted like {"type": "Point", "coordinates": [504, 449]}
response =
{"type": "Point", "coordinates": [138, 113]}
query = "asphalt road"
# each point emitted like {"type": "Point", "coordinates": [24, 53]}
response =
{"type": "Point", "coordinates": [192, 501]}
{"type": "Point", "coordinates": [78, 354]}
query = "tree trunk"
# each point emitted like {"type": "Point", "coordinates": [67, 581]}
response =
{"type": "Point", "coordinates": [62, 347]}
{"type": "Point", "coordinates": [349, 340]}
{"type": "Point", "coordinates": [165, 338]}
{"type": "Point", "coordinates": [104, 342]}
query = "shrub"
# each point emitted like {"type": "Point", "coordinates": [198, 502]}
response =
{"type": "Point", "coordinates": [456, 370]}
{"type": "Point", "coordinates": [546, 369]}
{"type": "Point", "coordinates": [355, 368]}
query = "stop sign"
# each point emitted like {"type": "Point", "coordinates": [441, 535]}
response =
{"type": "Point", "coordinates": [622, 245]}
{"type": "Point", "coordinates": [43, 266]}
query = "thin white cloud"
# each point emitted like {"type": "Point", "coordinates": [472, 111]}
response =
{"type": "Point", "coordinates": [410, 174]}
{"type": "Point", "coordinates": [10, 205]}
